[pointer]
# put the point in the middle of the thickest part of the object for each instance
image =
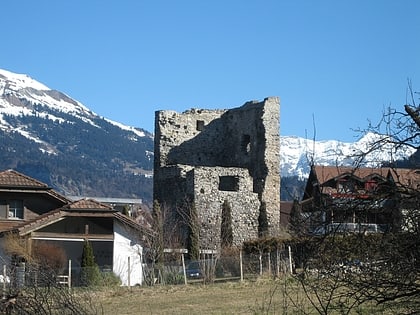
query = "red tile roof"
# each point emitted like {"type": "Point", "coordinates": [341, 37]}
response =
{"type": "Point", "coordinates": [60, 214]}
{"type": "Point", "coordinates": [325, 173]}
{"type": "Point", "coordinates": [11, 178]}
{"type": "Point", "coordinates": [402, 177]}
{"type": "Point", "coordinates": [87, 204]}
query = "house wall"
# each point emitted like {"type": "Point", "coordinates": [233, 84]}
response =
{"type": "Point", "coordinates": [34, 205]}
{"type": "Point", "coordinates": [126, 250]}
{"type": "Point", "coordinates": [77, 225]}
{"type": "Point", "coordinates": [4, 257]}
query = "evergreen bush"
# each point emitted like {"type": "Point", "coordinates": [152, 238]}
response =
{"type": "Point", "coordinates": [90, 274]}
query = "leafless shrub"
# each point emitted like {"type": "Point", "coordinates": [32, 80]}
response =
{"type": "Point", "coordinates": [341, 271]}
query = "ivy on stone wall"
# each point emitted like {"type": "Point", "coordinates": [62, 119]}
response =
{"type": "Point", "coordinates": [194, 234]}
{"type": "Point", "coordinates": [226, 236]}
{"type": "Point", "coordinates": [262, 220]}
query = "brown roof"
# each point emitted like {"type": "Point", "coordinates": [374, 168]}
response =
{"type": "Point", "coordinates": [409, 178]}
{"type": "Point", "coordinates": [11, 178]}
{"type": "Point", "coordinates": [39, 222]}
{"type": "Point", "coordinates": [325, 173]}
{"type": "Point", "coordinates": [402, 177]}
{"type": "Point", "coordinates": [92, 208]}
{"type": "Point", "coordinates": [87, 204]}
{"type": "Point", "coordinates": [285, 210]}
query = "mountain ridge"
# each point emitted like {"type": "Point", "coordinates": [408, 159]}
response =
{"type": "Point", "coordinates": [298, 154]}
{"type": "Point", "coordinates": [50, 136]}
{"type": "Point", "coordinates": [47, 135]}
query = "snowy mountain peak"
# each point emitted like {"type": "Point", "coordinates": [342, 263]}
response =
{"type": "Point", "coordinates": [297, 154]}
{"type": "Point", "coordinates": [20, 95]}
{"type": "Point", "coordinates": [27, 106]}
{"type": "Point", "coordinates": [20, 81]}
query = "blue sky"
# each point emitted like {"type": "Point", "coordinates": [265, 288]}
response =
{"type": "Point", "coordinates": [334, 64]}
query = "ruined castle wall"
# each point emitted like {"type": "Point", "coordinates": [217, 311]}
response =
{"type": "Point", "coordinates": [244, 140]}
{"type": "Point", "coordinates": [186, 138]}
{"type": "Point", "coordinates": [271, 191]}
{"type": "Point", "coordinates": [210, 196]}
{"type": "Point", "coordinates": [175, 185]}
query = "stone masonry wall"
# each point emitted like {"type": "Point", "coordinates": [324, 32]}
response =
{"type": "Point", "coordinates": [209, 199]}
{"type": "Point", "coordinates": [199, 153]}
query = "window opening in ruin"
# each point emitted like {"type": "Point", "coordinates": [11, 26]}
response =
{"type": "Point", "coordinates": [258, 185]}
{"type": "Point", "coordinates": [229, 183]}
{"type": "Point", "coordinates": [246, 143]}
{"type": "Point", "coordinates": [200, 125]}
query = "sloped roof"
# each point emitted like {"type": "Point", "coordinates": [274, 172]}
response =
{"type": "Point", "coordinates": [87, 205]}
{"type": "Point", "coordinates": [409, 178]}
{"type": "Point", "coordinates": [39, 222]}
{"type": "Point", "coordinates": [326, 173]}
{"type": "Point", "coordinates": [285, 210]}
{"type": "Point", "coordinates": [11, 178]}
{"type": "Point", "coordinates": [92, 208]}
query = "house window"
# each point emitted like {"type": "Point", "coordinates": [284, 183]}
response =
{"type": "Point", "coordinates": [15, 209]}
{"type": "Point", "coordinates": [345, 186]}
{"type": "Point", "coordinates": [228, 183]}
{"type": "Point", "coordinates": [371, 186]}
{"type": "Point", "coordinates": [200, 125]}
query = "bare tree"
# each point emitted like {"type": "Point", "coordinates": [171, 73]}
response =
{"type": "Point", "coordinates": [345, 270]}
{"type": "Point", "coordinates": [32, 285]}
{"type": "Point", "coordinates": [159, 232]}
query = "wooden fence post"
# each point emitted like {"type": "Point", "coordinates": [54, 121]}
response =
{"type": "Point", "coordinates": [129, 273]}
{"type": "Point", "coordinates": [241, 266]}
{"type": "Point", "coordinates": [69, 275]}
{"type": "Point", "coordinates": [183, 268]}
{"type": "Point", "coordinates": [290, 260]}
{"type": "Point", "coordinates": [4, 279]}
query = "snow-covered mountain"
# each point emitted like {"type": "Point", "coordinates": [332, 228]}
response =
{"type": "Point", "coordinates": [19, 94]}
{"type": "Point", "coordinates": [297, 154]}
{"type": "Point", "coordinates": [54, 138]}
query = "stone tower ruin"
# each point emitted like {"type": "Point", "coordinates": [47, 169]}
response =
{"type": "Point", "coordinates": [209, 157]}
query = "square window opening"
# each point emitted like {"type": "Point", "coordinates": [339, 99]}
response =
{"type": "Point", "coordinates": [229, 183]}
{"type": "Point", "coordinates": [200, 125]}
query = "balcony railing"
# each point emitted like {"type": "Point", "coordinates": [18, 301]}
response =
{"type": "Point", "coordinates": [351, 228]}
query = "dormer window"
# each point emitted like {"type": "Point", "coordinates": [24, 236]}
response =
{"type": "Point", "coordinates": [11, 209]}
{"type": "Point", "coordinates": [345, 186]}
{"type": "Point", "coordinates": [16, 209]}
{"type": "Point", "coordinates": [371, 186]}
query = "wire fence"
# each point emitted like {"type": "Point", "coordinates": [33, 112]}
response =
{"type": "Point", "coordinates": [233, 265]}
{"type": "Point", "coordinates": [14, 277]}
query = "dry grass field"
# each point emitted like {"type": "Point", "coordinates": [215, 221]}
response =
{"type": "Point", "coordinates": [256, 297]}
{"type": "Point", "coordinates": [222, 298]}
